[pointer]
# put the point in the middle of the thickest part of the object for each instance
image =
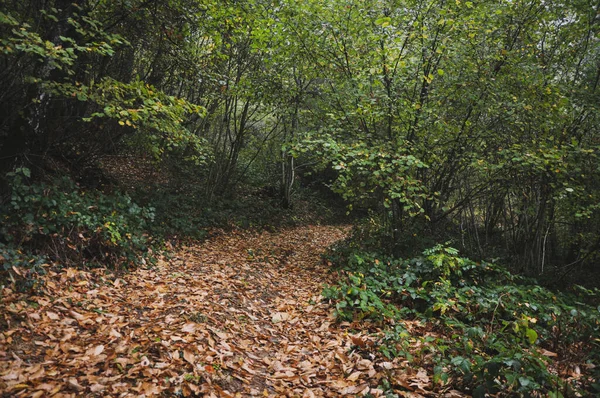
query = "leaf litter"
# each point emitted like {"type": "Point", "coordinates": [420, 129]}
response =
{"type": "Point", "coordinates": [238, 315]}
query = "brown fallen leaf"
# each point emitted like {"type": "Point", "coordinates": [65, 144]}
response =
{"type": "Point", "coordinates": [35, 316]}
{"type": "Point", "coordinates": [454, 394]}
{"type": "Point", "coordinates": [189, 356]}
{"type": "Point", "coordinates": [97, 387]}
{"type": "Point", "coordinates": [95, 351]}
{"type": "Point", "coordinates": [248, 369]}
{"type": "Point", "coordinates": [189, 328]}
{"type": "Point", "coordinates": [547, 353]}
{"type": "Point", "coordinates": [46, 387]}
{"type": "Point", "coordinates": [73, 383]}
{"type": "Point", "coordinates": [280, 317]}
{"type": "Point", "coordinates": [308, 394]}
{"type": "Point", "coordinates": [115, 333]}
{"type": "Point", "coordinates": [13, 375]}
{"type": "Point", "coordinates": [140, 340]}
{"type": "Point", "coordinates": [387, 365]}
{"type": "Point", "coordinates": [76, 315]}
{"type": "Point", "coordinates": [283, 375]}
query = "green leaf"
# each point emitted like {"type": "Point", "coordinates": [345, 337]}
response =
{"type": "Point", "coordinates": [532, 336]}
{"type": "Point", "coordinates": [525, 381]}
{"type": "Point", "coordinates": [479, 392]}
{"type": "Point", "coordinates": [383, 22]}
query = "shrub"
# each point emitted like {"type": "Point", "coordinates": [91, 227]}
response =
{"type": "Point", "coordinates": [495, 327]}
{"type": "Point", "coordinates": [21, 269]}
{"type": "Point", "coordinates": [73, 227]}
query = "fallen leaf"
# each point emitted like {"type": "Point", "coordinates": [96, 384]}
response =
{"type": "Point", "coordinates": [280, 317]}
{"type": "Point", "coordinates": [97, 350]}
{"type": "Point", "coordinates": [52, 315]}
{"type": "Point", "coordinates": [75, 384]}
{"type": "Point", "coordinates": [308, 394]}
{"type": "Point", "coordinates": [11, 376]}
{"type": "Point", "coordinates": [189, 356]}
{"type": "Point", "coordinates": [354, 376]}
{"type": "Point", "coordinates": [189, 328]}
{"type": "Point", "coordinates": [97, 387]}
{"type": "Point", "coordinates": [76, 315]}
{"type": "Point", "coordinates": [386, 365]}
{"type": "Point", "coordinates": [547, 353]}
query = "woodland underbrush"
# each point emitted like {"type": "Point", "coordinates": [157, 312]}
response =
{"type": "Point", "coordinates": [56, 222]}
{"type": "Point", "coordinates": [484, 330]}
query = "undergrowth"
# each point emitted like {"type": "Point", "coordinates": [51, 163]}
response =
{"type": "Point", "coordinates": [188, 214]}
{"type": "Point", "coordinates": [56, 222]}
{"type": "Point", "coordinates": [495, 332]}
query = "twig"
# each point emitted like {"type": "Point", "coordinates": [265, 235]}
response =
{"type": "Point", "coordinates": [490, 328]}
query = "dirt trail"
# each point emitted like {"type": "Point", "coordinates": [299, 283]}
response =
{"type": "Point", "coordinates": [239, 315]}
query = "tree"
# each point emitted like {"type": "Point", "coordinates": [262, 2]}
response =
{"type": "Point", "coordinates": [64, 100]}
{"type": "Point", "coordinates": [479, 94]}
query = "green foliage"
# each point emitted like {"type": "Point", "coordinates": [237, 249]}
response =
{"type": "Point", "coordinates": [367, 173]}
{"type": "Point", "coordinates": [495, 325]}
{"type": "Point", "coordinates": [66, 99]}
{"type": "Point", "coordinates": [498, 99]}
{"type": "Point", "coordinates": [358, 299]}
{"type": "Point", "coordinates": [23, 269]}
{"type": "Point", "coordinates": [73, 227]}
{"type": "Point", "coordinates": [179, 212]}
{"type": "Point", "coordinates": [477, 120]}
{"type": "Point", "coordinates": [140, 106]}
{"type": "Point", "coordinates": [22, 39]}
{"type": "Point", "coordinates": [185, 212]}
{"type": "Point", "coordinates": [479, 115]}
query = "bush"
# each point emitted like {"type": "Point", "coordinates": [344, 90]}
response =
{"type": "Point", "coordinates": [496, 328]}
{"type": "Point", "coordinates": [73, 227]}
{"type": "Point", "coordinates": [21, 269]}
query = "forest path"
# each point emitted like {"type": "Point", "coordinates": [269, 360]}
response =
{"type": "Point", "coordinates": [238, 315]}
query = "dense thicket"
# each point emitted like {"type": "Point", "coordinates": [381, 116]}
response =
{"type": "Point", "coordinates": [478, 117]}
{"type": "Point", "coordinates": [476, 121]}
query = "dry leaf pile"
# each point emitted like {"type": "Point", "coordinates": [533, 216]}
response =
{"type": "Point", "coordinates": [239, 315]}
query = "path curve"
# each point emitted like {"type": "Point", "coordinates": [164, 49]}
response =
{"type": "Point", "coordinates": [239, 315]}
